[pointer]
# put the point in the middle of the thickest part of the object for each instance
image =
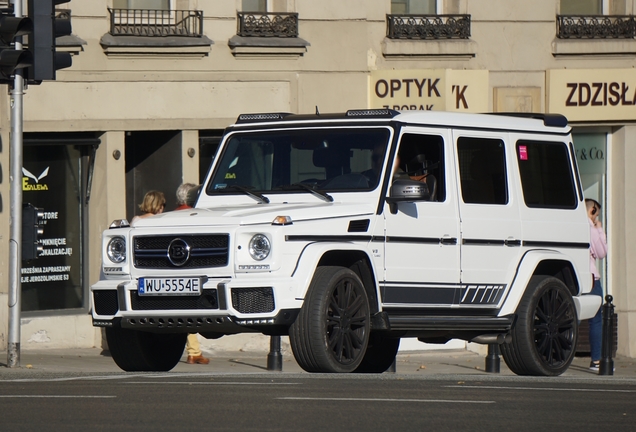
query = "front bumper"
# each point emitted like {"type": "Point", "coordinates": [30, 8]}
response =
{"type": "Point", "coordinates": [220, 309]}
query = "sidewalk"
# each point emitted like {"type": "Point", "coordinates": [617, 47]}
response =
{"type": "Point", "coordinates": [429, 363]}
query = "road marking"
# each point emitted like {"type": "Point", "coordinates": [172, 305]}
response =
{"type": "Point", "coordinates": [387, 400]}
{"type": "Point", "coordinates": [57, 396]}
{"type": "Point", "coordinates": [210, 383]}
{"type": "Point", "coordinates": [542, 388]}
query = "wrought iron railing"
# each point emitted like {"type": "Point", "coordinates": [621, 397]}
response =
{"type": "Point", "coordinates": [143, 22]}
{"type": "Point", "coordinates": [596, 26]}
{"type": "Point", "coordinates": [267, 24]}
{"type": "Point", "coordinates": [428, 26]}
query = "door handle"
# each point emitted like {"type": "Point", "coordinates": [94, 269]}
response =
{"type": "Point", "coordinates": [512, 242]}
{"type": "Point", "coordinates": [448, 240]}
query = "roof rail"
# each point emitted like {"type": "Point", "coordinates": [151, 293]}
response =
{"type": "Point", "coordinates": [261, 117]}
{"type": "Point", "coordinates": [359, 113]}
{"type": "Point", "coordinates": [554, 120]}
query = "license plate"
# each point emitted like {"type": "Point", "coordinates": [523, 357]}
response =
{"type": "Point", "coordinates": [169, 286]}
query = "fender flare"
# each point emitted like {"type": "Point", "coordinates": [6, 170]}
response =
{"type": "Point", "coordinates": [310, 257]}
{"type": "Point", "coordinates": [526, 269]}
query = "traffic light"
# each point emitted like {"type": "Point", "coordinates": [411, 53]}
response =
{"type": "Point", "coordinates": [32, 218]}
{"type": "Point", "coordinates": [46, 27]}
{"type": "Point", "coordinates": [10, 58]}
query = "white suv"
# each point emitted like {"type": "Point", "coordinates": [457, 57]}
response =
{"type": "Point", "coordinates": [350, 231]}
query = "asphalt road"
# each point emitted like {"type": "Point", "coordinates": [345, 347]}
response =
{"type": "Point", "coordinates": [204, 401]}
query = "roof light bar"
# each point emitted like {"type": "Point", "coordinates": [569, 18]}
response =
{"type": "Point", "coordinates": [384, 113]}
{"type": "Point", "coordinates": [250, 118]}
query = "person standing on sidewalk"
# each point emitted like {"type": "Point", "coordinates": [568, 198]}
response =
{"type": "Point", "coordinates": [154, 202]}
{"type": "Point", "coordinates": [598, 251]}
{"type": "Point", "coordinates": [193, 348]}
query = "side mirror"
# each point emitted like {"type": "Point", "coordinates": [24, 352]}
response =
{"type": "Point", "coordinates": [403, 190]}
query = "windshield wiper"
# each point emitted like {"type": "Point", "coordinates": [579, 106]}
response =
{"type": "Point", "coordinates": [317, 192]}
{"type": "Point", "coordinates": [258, 196]}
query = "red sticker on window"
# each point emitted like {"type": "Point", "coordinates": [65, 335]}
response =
{"type": "Point", "coordinates": [523, 153]}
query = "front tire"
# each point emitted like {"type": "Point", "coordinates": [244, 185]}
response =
{"type": "Point", "coordinates": [545, 334]}
{"type": "Point", "coordinates": [331, 332]}
{"type": "Point", "coordinates": [137, 351]}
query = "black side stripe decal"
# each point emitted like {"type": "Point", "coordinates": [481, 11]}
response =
{"type": "Point", "coordinates": [571, 245]}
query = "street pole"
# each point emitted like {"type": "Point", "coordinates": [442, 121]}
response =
{"type": "Point", "coordinates": [15, 181]}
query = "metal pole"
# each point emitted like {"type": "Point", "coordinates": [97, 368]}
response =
{"type": "Point", "coordinates": [606, 367]}
{"type": "Point", "coordinates": [274, 358]}
{"type": "Point", "coordinates": [15, 180]}
{"type": "Point", "coordinates": [492, 359]}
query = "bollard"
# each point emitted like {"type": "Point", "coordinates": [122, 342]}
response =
{"type": "Point", "coordinates": [606, 366]}
{"type": "Point", "coordinates": [274, 358]}
{"type": "Point", "coordinates": [492, 359]}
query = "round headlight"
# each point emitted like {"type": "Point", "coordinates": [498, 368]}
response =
{"type": "Point", "coordinates": [116, 249]}
{"type": "Point", "coordinates": [259, 247]}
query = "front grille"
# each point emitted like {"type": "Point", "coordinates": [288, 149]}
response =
{"type": "Point", "coordinates": [206, 250]}
{"type": "Point", "coordinates": [253, 300]}
{"type": "Point", "coordinates": [207, 300]}
{"type": "Point", "coordinates": [105, 302]}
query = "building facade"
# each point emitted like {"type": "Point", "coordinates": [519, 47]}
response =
{"type": "Point", "coordinates": [154, 83]}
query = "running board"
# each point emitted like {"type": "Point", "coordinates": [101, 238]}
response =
{"type": "Point", "coordinates": [451, 323]}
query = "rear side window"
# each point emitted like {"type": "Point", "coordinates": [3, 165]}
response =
{"type": "Point", "coordinates": [482, 170]}
{"type": "Point", "coordinates": [546, 176]}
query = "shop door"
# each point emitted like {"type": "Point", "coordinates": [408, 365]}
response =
{"type": "Point", "coordinates": [153, 162]}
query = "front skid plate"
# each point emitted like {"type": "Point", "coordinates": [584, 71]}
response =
{"type": "Point", "coordinates": [200, 324]}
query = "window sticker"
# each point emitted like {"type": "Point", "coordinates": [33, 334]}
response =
{"type": "Point", "coordinates": [523, 152]}
{"type": "Point", "coordinates": [220, 186]}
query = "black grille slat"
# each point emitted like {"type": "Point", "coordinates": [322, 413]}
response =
{"type": "Point", "coordinates": [206, 250]}
{"type": "Point", "coordinates": [106, 302]}
{"type": "Point", "coordinates": [207, 300]}
{"type": "Point", "coordinates": [253, 300]}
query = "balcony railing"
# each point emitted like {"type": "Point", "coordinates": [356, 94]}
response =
{"type": "Point", "coordinates": [596, 27]}
{"type": "Point", "coordinates": [142, 22]}
{"type": "Point", "coordinates": [428, 26]}
{"type": "Point", "coordinates": [267, 24]}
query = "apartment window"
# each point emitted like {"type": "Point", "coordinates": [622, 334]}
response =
{"type": "Point", "coordinates": [413, 7]}
{"type": "Point", "coordinates": [254, 6]}
{"type": "Point", "coordinates": [581, 7]}
{"type": "Point", "coordinates": [142, 4]}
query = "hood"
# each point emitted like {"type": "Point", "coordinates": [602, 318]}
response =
{"type": "Point", "coordinates": [254, 214]}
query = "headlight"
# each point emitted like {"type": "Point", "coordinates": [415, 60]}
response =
{"type": "Point", "coordinates": [259, 247]}
{"type": "Point", "coordinates": [116, 249]}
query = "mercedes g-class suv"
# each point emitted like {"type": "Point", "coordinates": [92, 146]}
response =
{"type": "Point", "coordinates": [350, 231]}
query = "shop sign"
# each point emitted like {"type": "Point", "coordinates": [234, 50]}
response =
{"type": "Point", "coordinates": [592, 94]}
{"type": "Point", "coordinates": [429, 89]}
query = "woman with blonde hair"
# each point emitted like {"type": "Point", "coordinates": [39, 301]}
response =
{"type": "Point", "coordinates": [153, 203]}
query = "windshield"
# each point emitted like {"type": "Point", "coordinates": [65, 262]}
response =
{"type": "Point", "coordinates": [307, 160]}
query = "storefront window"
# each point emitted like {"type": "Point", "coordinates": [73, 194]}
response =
{"type": "Point", "coordinates": [54, 180]}
{"type": "Point", "coordinates": [591, 151]}
{"type": "Point", "coordinates": [581, 7]}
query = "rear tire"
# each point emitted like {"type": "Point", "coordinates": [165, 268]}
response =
{"type": "Point", "coordinates": [136, 351]}
{"type": "Point", "coordinates": [380, 354]}
{"type": "Point", "coordinates": [545, 334]}
{"type": "Point", "coordinates": [331, 332]}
